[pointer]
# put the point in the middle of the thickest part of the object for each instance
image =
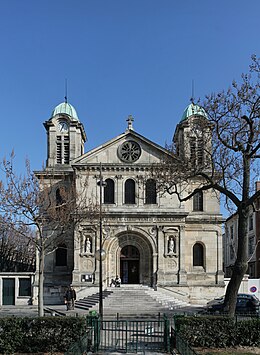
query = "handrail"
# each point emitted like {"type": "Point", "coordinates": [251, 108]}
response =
{"type": "Point", "coordinates": [173, 291]}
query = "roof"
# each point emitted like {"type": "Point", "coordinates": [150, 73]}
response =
{"type": "Point", "coordinates": [86, 158]}
{"type": "Point", "coordinates": [193, 110]}
{"type": "Point", "coordinates": [65, 108]}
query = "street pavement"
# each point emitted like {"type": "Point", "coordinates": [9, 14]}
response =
{"type": "Point", "coordinates": [20, 311]}
{"type": "Point", "coordinates": [56, 310]}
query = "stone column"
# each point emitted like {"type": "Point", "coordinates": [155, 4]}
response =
{"type": "Point", "coordinates": [154, 235]}
{"type": "Point", "coordinates": [182, 273]}
{"type": "Point", "coordinates": [76, 271]}
{"type": "Point", "coordinates": [160, 257]}
{"type": "Point", "coordinates": [119, 191]}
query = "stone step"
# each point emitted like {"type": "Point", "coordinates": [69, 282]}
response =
{"type": "Point", "coordinates": [166, 299]}
{"type": "Point", "coordinates": [90, 301]}
{"type": "Point", "coordinates": [131, 299]}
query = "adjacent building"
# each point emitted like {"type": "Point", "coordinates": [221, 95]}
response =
{"type": "Point", "coordinates": [230, 242]}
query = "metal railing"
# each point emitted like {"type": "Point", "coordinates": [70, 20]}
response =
{"type": "Point", "coordinates": [181, 345]}
{"type": "Point", "coordinates": [132, 335]}
{"type": "Point", "coordinates": [82, 346]}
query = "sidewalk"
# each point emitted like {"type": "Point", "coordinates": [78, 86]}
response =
{"type": "Point", "coordinates": [52, 310]}
{"type": "Point", "coordinates": [32, 311]}
{"type": "Point", "coordinates": [19, 311]}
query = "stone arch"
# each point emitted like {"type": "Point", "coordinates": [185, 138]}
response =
{"type": "Point", "coordinates": [145, 249]}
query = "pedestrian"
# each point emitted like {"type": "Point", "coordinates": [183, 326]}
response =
{"type": "Point", "coordinates": [70, 298]}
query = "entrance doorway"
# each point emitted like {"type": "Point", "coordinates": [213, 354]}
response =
{"type": "Point", "coordinates": [8, 291]}
{"type": "Point", "coordinates": [129, 265]}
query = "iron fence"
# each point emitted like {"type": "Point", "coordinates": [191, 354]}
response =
{"type": "Point", "coordinates": [83, 346]}
{"type": "Point", "coordinates": [131, 335]}
{"type": "Point", "coordinates": [181, 345]}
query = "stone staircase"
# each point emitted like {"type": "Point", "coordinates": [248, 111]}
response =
{"type": "Point", "coordinates": [127, 300]}
{"type": "Point", "coordinates": [88, 302]}
{"type": "Point", "coordinates": [166, 300]}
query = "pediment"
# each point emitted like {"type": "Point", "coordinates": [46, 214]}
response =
{"type": "Point", "coordinates": [127, 148]}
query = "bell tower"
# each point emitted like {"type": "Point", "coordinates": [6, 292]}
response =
{"type": "Point", "coordinates": [65, 136]}
{"type": "Point", "coordinates": [193, 135]}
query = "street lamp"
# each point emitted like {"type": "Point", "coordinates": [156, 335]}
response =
{"type": "Point", "coordinates": [100, 254]}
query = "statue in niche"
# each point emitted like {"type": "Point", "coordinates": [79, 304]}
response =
{"type": "Point", "coordinates": [171, 246]}
{"type": "Point", "coordinates": [88, 246]}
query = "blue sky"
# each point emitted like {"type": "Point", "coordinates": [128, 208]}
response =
{"type": "Point", "coordinates": [119, 57]}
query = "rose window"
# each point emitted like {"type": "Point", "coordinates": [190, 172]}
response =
{"type": "Point", "coordinates": [129, 151]}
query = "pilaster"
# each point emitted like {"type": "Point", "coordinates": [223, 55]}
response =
{"type": "Point", "coordinates": [182, 273]}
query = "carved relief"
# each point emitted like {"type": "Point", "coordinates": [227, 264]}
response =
{"type": "Point", "coordinates": [172, 264]}
{"type": "Point", "coordinates": [106, 232]}
{"type": "Point", "coordinates": [87, 265]}
{"type": "Point", "coordinates": [152, 231]}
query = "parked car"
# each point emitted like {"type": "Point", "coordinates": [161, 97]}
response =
{"type": "Point", "coordinates": [245, 304]}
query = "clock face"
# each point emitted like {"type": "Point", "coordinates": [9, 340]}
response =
{"type": "Point", "coordinates": [63, 126]}
{"type": "Point", "coordinates": [129, 151]}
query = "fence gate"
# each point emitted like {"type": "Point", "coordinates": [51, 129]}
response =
{"type": "Point", "coordinates": [131, 335]}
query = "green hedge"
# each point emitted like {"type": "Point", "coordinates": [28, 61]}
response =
{"type": "Point", "coordinates": [218, 331]}
{"type": "Point", "coordinates": [42, 334]}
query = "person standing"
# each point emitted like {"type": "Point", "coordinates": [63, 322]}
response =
{"type": "Point", "coordinates": [70, 298]}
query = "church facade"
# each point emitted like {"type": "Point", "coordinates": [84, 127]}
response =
{"type": "Point", "coordinates": [148, 238]}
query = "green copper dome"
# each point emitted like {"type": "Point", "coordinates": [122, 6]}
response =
{"type": "Point", "coordinates": [193, 110]}
{"type": "Point", "coordinates": [66, 109]}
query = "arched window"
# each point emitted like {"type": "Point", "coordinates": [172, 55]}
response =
{"type": "Point", "coordinates": [198, 255]}
{"type": "Point", "coordinates": [150, 192]}
{"type": "Point", "coordinates": [198, 201]}
{"type": "Point", "coordinates": [130, 191]}
{"type": "Point", "coordinates": [61, 255]}
{"type": "Point", "coordinates": [109, 191]}
{"type": "Point", "coordinates": [59, 199]}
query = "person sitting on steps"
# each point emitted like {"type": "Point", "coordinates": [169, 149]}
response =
{"type": "Point", "coordinates": [117, 281]}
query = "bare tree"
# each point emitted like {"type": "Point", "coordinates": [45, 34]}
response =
{"type": "Point", "coordinates": [47, 203]}
{"type": "Point", "coordinates": [221, 153]}
{"type": "Point", "coordinates": [16, 253]}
